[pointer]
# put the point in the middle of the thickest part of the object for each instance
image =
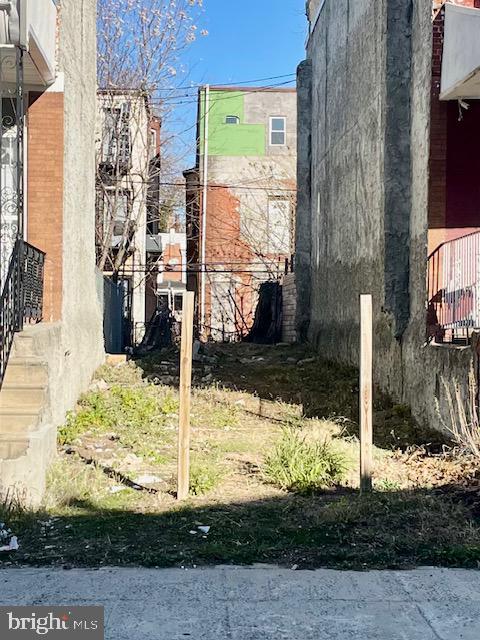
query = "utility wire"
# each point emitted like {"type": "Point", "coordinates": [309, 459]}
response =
{"type": "Point", "coordinates": [196, 124]}
{"type": "Point", "coordinates": [226, 84]}
{"type": "Point", "coordinates": [199, 185]}
{"type": "Point", "coordinates": [160, 101]}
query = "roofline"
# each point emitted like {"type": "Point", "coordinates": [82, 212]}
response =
{"type": "Point", "coordinates": [137, 94]}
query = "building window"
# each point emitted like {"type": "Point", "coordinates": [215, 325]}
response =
{"type": "Point", "coordinates": [278, 131]}
{"type": "Point", "coordinates": [279, 226]}
{"type": "Point", "coordinates": [232, 120]}
{"type": "Point", "coordinates": [113, 214]}
{"type": "Point", "coordinates": [153, 142]}
{"type": "Point", "coordinates": [116, 142]}
{"type": "Point", "coordinates": [178, 302]}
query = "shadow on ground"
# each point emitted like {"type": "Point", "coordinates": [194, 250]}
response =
{"type": "Point", "coordinates": [337, 530]}
{"type": "Point", "coordinates": [296, 375]}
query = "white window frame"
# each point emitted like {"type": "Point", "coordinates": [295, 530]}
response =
{"type": "Point", "coordinates": [271, 131]}
{"type": "Point", "coordinates": [237, 120]}
{"type": "Point", "coordinates": [153, 141]}
{"type": "Point", "coordinates": [279, 240]}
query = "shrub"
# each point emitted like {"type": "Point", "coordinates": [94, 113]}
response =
{"type": "Point", "coordinates": [464, 424]}
{"type": "Point", "coordinates": [303, 466]}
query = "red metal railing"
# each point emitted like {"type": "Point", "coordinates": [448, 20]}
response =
{"type": "Point", "coordinates": [453, 283]}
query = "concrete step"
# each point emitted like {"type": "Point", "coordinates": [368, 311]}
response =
{"type": "Point", "coordinates": [18, 420]}
{"type": "Point", "coordinates": [13, 446]}
{"type": "Point", "coordinates": [26, 369]}
{"type": "Point", "coordinates": [23, 345]}
{"type": "Point", "coordinates": [24, 395]}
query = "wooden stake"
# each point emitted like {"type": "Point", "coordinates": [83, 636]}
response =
{"type": "Point", "coordinates": [366, 393]}
{"type": "Point", "coordinates": [183, 479]}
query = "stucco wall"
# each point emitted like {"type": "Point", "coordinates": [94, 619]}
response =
{"type": "Point", "coordinates": [348, 58]}
{"type": "Point", "coordinates": [82, 335]}
{"type": "Point", "coordinates": [367, 204]}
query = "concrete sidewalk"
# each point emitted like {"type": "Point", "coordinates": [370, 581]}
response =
{"type": "Point", "coordinates": [262, 603]}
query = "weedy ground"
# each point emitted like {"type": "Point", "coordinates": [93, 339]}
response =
{"type": "Point", "coordinates": [274, 473]}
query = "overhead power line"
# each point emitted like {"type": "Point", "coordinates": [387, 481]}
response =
{"type": "Point", "coordinates": [227, 84]}
{"type": "Point", "coordinates": [202, 118]}
{"type": "Point", "coordinates": [173, 99]}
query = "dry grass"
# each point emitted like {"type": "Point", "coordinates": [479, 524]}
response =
{"type": "Point", "coordinates": [464, 423]}
{"type": "Point", "coordinates": [424, 511]}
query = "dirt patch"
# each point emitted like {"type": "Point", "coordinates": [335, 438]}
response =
{"type": "Point", "coordinates": [111, 498]}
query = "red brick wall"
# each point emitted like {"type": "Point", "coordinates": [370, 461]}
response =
{"type": "Point", "coordinates": [454, 166]}
{"type": "Point", "coordinates": [438, 140]}
{"type": "Point", "coordinates": [464, 3]}
{"type": "Point", "coordinates": [174, 271]}
{"type": "Point", "coordinates": [225, 249]}
{"type": "Point", "coordinates": [45, 192]}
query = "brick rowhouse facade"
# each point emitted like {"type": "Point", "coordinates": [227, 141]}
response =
{"type": "Point", "coordinates": [250, 203]}
{"type": "Point", "coordinates": [454, 190]}
{"type": "Point", "coordinates": [45, 192]}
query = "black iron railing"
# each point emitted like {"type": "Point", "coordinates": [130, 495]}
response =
{"type": "Point", "coordinates": [21, 301]}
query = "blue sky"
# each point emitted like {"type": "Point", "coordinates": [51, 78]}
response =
{"type": "Point", "coordinates": [247, 39]}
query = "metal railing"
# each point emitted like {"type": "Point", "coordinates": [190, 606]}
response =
{"type": "Point", "coordinates": [453, 283]}
{"type": "Point", "coordinates": [21, 301]}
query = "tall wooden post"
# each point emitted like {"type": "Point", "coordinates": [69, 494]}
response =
{"type": "Point", "coordinates": [183, 480]}
{"type": "Point", "coordinates": [366, 392]}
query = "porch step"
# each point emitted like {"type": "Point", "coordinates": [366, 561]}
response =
{"type": "Point", "coordinates": [13, 446]}
{"type": "Point", "coordinates": [23, 345]}
{"type": "Point", "coordinates": [22, 395]}
{"type": "Point", "coordinates": [26, 369]}
{"type": "Point", "coordinates": [18, 420]}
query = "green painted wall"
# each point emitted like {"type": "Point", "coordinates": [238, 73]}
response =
{"type": "Point", "coordinates": [230, 139]}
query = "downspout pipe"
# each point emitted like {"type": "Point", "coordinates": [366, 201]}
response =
{"type": "Point", "coordinates": [204, 209]}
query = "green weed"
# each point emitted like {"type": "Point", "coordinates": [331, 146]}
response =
{"type": "Point", "coordinates": [296, 464]}
{"type": "Point", "coordinates": [204, 476]}
{"type": "Point", "coordinates": [94, 414]}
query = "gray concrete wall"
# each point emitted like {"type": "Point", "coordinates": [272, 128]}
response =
{"type": "Point", "coordinates": [82, 334]}
{"type": "Point", "coordinates": [348, 59]}
{"type": "Point", "coordinates": [367, 202]}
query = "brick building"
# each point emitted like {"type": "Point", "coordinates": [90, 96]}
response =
{"type": "Point", "coordinates": [166, 285]}
{"type": "Point", "coordinates": [51, 305]}
{"type": "Point", "coordinates": [454, 193]}
{"type": "Point", "coordinates": [240, 202]}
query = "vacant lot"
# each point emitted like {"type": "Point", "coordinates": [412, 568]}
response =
{"type": "Point", "coordinates": [274, 473]}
